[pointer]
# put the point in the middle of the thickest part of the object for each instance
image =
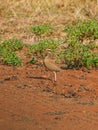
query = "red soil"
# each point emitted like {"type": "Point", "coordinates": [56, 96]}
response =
{"type": "Point", "coordinates": [29, 100]}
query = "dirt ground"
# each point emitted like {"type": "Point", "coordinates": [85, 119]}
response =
{"type": "Point", "coordinates": [30, 100]}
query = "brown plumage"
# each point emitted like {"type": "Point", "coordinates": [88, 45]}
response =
{"type": "Point", "coordinates": [51, 65]}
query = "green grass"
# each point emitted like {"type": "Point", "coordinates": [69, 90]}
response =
{"type": "Point", "coordinates": [78, 55]}
{"type": "Point", "coordinates": [41, 30]}
{"type": "Point", "coordinates": [78, 52]}
{"type": "Point", "coordinates": [80, 42]}
{"type": "Point", "coordinates": [10, 58]}
{"type": "Point", "coordinates": [33, 60]}
{"type": "Point", "coordinates": [12, 44]}
{"type": "Point", "coordinates": [83, 30]}
{"type": "Point", "coordinates": [41, 47]}
{"type": "Point", "coordinates": [81, 50]}
{"type": "Point", "coordinates": [8, 50]}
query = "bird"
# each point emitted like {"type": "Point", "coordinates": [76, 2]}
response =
{"type": "Point", "coordinates": [51, 65]}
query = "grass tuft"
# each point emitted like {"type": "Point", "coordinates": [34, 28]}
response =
{"type": "Point", "coordinates": [7, 51]}
{"type": "Point", "coordinates": [43, 45]}
{"type": "Point", "coordinates": [41, 29]}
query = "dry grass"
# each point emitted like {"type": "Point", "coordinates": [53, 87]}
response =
{"type": "Point", "coordinates": [16, 16]}
{"type": "Point", "coordinates": [29, 8]}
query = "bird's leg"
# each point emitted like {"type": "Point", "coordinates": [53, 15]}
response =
{"type": "Point", "coordinates": [54, 76]}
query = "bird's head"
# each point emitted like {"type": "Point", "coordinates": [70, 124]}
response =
{"type": "Point", "coordinates": [48, 51]}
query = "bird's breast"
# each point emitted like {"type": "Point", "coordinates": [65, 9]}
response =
{"type": "Point", "coordinates": [50, 65]}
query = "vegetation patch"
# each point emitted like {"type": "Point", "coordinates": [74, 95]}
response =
{"type": "Point", "coordinates": [80, 53]}
{"type": "Point", "coordinates": [77, 49]}
{"type": "Point", "coordinates": [41, 30]}
{"type": "Point", "coordinates": [33, 60]}
{"type": "Point", "coordinates": [41, 47]}
{"type": "Point", "coordinates": [8, 50]}
{"type": "Point", "coordinates": [80, 43]}
{"type": "Point", "coordinates": [83, 30]}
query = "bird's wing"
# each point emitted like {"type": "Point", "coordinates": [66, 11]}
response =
{"type": "Point", "coordinates": [50, 64]}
